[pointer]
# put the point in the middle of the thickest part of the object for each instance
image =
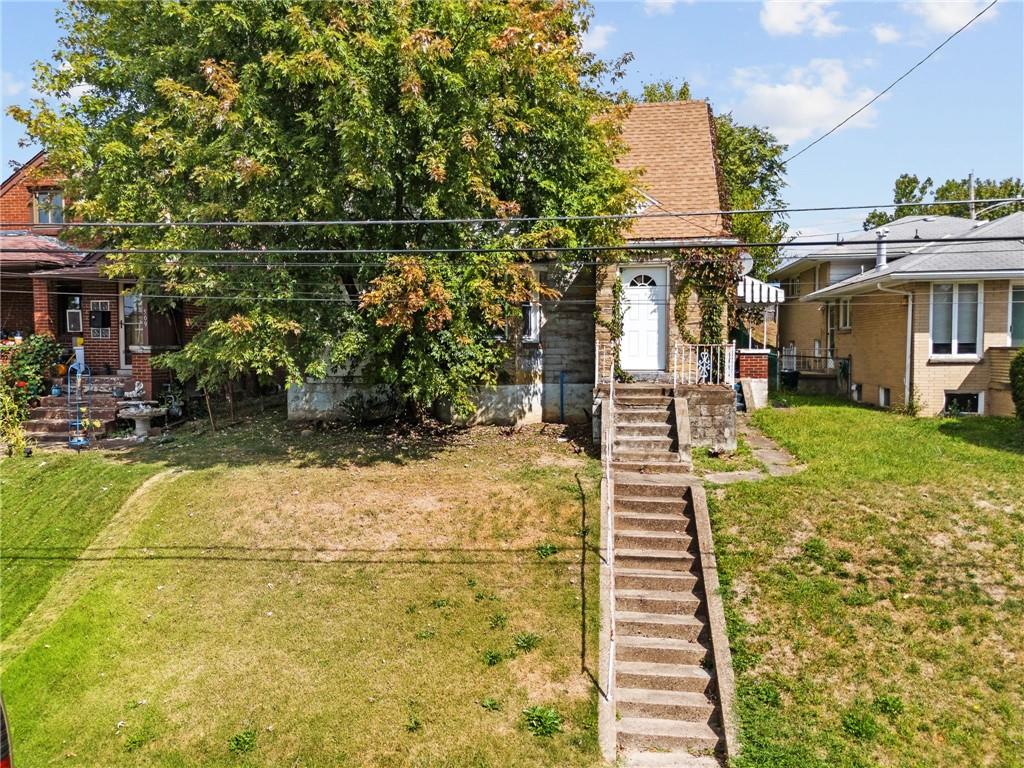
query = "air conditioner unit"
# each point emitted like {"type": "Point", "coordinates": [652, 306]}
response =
{"type": "Point", "coordinates": [73, 320]}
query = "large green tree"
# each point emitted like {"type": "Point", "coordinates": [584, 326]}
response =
{"type": "Point", "coordinates": [274, 110]}
{"type": "Point", "coordinates": [909, 192]}
{"type": "Point", "coordinates": [750, 159]}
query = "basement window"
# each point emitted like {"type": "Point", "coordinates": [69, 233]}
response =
{"type": "Point", "coordinates": [884, 397]}
{"type": "Point", "coordinates": [963, 402]}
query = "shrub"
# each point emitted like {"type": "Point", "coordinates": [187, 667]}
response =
{"type": "Point", "coordinates": [29, 364]}
{"type": "Point", "coordinates": [1017, 383]}
{"type": "Point", "coordinates": [542, 721]}
{"type": "Point", "coordinates": [11, 416]}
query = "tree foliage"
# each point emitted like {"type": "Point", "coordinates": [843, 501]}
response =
{"type": "Point", "coordinates": [909, 192]}
{"type": "Point", "coordinates": [274, 110]}
{"type": "Point", "coordinates": [750, 160]}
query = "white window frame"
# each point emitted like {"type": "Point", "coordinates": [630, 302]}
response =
{"type": "Point", "coordinates": [845, 314]}
{"type": "Point", "coordinates": [532, 315]}
{"type": "Point", "coordinates": [1009, 310]}
{"type": "Point", "coordinates": [884, 397]}
{"type": "Point", "coordinates": [955, 355]}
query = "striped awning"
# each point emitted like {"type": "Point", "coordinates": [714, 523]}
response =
{"type": "Point", "coordinates": [752, 291]}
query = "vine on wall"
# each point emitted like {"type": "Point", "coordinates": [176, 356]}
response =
{"type": "Point", "coordinates": [614, 324]}
{"type": "Point", "coordinates": [713, 274]}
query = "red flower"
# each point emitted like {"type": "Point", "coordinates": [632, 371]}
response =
{"type": "Point", "coordinates": [21, 383]}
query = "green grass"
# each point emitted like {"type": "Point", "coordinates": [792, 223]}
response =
{"type": "Point", "coordinates": [51, 506]}
{"type": "Point", "coordinates": [740, 459]}
{"type": "Point", "coordinates": [876, 599]}
{"type": "Point", "coordinates": [325, 601]}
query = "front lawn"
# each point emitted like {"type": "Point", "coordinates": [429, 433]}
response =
{"type": "Point", "coordinates": [339, 599]}
{"type": "Point", "coordinates": [876, 599]}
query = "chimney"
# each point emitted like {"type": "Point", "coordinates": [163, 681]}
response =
{"type": "Point", "coordinates": [881, 258]}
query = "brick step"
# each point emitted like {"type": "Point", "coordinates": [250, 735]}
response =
{"type": "Point", "coordinates": [40, 426]}
{"type": "Point", "coordinates": [644, 430]}
{"type": "Point", "coordinates": [659, 650]}
{"type": "Point", "coordinates": [656, 601]}
{"type": "Point", "coordinates": [654, 560]}
{"type": "Point", "coordinates": [648, 624]}
{"type": "Point", "coordinates": [644, 444]}
{"type": "Point", "coordinates": [642, 578]}
{"type": "Point", "coordinates": [670, 541]}
{"type": "Point", "coordinates": [643, 415]}
{"type": "Point", "coordinates": [668, 705]}
{"type": "Point", "coordinates": [674, 522]}
{"type": "Point", "coordinates": [628, 489]}
{"type": "Point", "coordinates": [61, 401]}
{"type": "Point", "coordinates": [652, 733]}
{"type": "Point", "coordinates": [662, 677]}
{"type": "Point", "coordinates": [51, 412]}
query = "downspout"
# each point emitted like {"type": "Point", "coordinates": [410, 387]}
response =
{"type": "Point", "coordinates": [907, 371]}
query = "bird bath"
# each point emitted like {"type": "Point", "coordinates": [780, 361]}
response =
{"type": "Point", "coordinates": [142, 414]}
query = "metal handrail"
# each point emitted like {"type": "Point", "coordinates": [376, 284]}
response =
{"type": "Point", "coordinates": [708, 364]}
{"type": "Point", "coordinates": [609, 483]}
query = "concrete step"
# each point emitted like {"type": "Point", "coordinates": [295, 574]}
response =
{"type": "Point", "coordinates": [641, 578]}
{"type": "Point", "coordinates": [644, 388]}
{"type": "Point", "coordinates": [662, 677]}
{"type": "Point", "coordinates": [660, 540]}
{"type": "Point", "coordinates": [644, 429]}
{"type": "Point", "coordinates": [625, 489]}
{"type": "Point", "coordinates": [652, 733]}
{"type": "Point", "coordinates": [643, 443]}
{"type": "Point", "coordinates": [651, 521]}
{"type": "Point", "coordinates": [656, 601]}
{"type": "Point", "coordinates": [641, 401]}
{"type": "Point", "coordinates": [650, 467]}
{"type": "Point", "coordinates": [654, 560]}
{"type": "Point", "coordinates": [647, 624]}
{"type": "Point", "coordinates": [670, 758]}
{"type": "Point", "coordinates": [667, 705]}
{"type": "Point", "coordinates": [659, 650]}
{"type": "Point", "coordinates": [643, 415]}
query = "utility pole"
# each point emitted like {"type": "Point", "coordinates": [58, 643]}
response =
{"type": "Point", "coordinates": [970, 195]}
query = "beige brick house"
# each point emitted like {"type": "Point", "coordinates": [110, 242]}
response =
{"type": "Point", "coordinates": [938, 325]}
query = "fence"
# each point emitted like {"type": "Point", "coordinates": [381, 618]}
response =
{"type": "Point", "coordinates": [713, 364]}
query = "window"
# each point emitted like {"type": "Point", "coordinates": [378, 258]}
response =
{"type": "Point", "coordinates": [48, 206]}
{"type": "Point", "coordinates": [70, 311]}
{"type": "Point", "coordinates": [963, 402]}
{"type": "Point", "coordinates": [1017, 316]}
{"type": "Point", "coordinates": [642, 280]}
{"type": "Point", "coordinates": [845, 313]}
{"type": "Point", "coordinates": [884, 397]}
{"type": "Point", "coordinates": [956, 310]}
{"type": "Point", "coordinates": [531, 319]}
{"type": "Point", "coordinates": [855, 391]}
{"type": "Point", "coordinates": [791, 287]}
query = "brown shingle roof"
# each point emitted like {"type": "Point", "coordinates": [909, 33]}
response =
{"type": "Point", "coordinates": [673, 143]}
{"type": "Point", "coordinates": [35, 252]}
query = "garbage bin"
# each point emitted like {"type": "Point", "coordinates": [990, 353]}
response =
{"type": "Point", "coordinates": [790, 379]}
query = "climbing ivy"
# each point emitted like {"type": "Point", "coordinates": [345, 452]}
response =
{"type": "Point", "coordinates": [681, 308]}
{"type": "Point", "coordinates": [614, 324]}
{"type": "Point", "coordinates": [712, 273]}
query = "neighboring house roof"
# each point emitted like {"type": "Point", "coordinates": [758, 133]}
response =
{"type": "Point", "coordinates": [861, 245]}
{"type": "Point", "coordinates": [33, 162]}
{"type": "Point", "coordinates": [34, 252]}
{"type": "Point", "coordinates": [938, 261]}
{"type": "Point", "coordinates": [673, 144]}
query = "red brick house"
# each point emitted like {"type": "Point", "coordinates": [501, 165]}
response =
{"type": "Point", "coordinates": [47, 286]}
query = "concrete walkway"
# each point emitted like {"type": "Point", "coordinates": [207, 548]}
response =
{"type": "Point", "coordinates": [777, 461]}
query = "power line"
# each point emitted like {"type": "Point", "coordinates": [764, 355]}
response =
{"type": "Point", "coordinates": [529, 249]}
{"type": "Point", "coordinates": [891, 85]}
{"type": "Point", "coordinates": [484, 220]}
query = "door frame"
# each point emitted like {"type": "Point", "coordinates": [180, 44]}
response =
{"type": "Point", "coordinates": [122, 347]}
{"type": "Point", "coordinates": [655, 269]}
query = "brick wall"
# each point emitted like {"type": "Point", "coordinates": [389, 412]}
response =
{"type": "Point", "coordinates": [801, 323]}
{"type": "Point", "coordinates": [877, 342]}
{"type": "Point", "coordinates": [752, 364]}
{"type": "Point", "coordinates": [16, 197]}
{"type": "Point", "coordinates": [16, 305]}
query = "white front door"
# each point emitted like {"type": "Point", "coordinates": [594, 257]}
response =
{"type": "Point", "coordinates": [645, 301]}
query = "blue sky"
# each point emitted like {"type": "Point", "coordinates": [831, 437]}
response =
{"type": "Point", "coordinates": [797, 67]}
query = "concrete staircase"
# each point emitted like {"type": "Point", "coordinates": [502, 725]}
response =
{"type": "Point", "coordinates": [665, 695]}
{"type": "Point", "coordinates": [47, 424]}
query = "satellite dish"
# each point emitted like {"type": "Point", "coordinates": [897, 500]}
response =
{"type": "Point", "coordinates": [746, 263]}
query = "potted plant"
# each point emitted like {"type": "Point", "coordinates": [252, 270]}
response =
{"type": "Point", "coordinates": [55, 390]}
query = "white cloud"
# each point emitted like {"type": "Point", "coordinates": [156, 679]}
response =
{"type": "Point", "coordinates": [596, 38]}
{"type": "Point", "coordinates": [794, 17]}
{"type": "Point", "coordinates": [808, 101]}
{"type": "Point", "coordinates": [12, 86]}
{"type": "Point", "coordinates": [885, 34]}
{"type": "Point", "coordinates": [659, 7]}
{"type": "Point", "coordinates": [948, 16]}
